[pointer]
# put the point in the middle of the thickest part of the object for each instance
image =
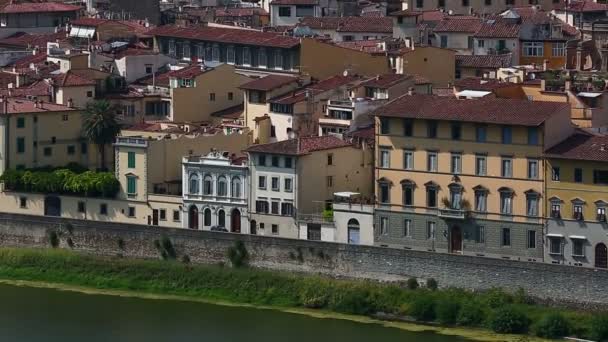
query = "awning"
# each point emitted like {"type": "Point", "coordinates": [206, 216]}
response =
{"type": "Point", "coordinates": [346, 194]}
{"type": "Point", "coordinates": [82, 32]}
{"type": "Point", "coordinates": [587, 94]}
{"type": "Point", "coordinates": [578, 237]}
{"type": "Point", "coordinates": [553, 235]}
{"type": "Point", "coordinates": [473, 93]}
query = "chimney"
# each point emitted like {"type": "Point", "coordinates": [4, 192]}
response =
{"type": "Point", "coordinates": [411, 91]}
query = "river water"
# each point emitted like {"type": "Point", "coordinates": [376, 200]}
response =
{"type": "Point", "coordinates": [35, 314]}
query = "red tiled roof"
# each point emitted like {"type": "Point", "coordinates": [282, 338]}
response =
{"type": "Point", "coordinates": [459, 24]}
{"type": "Point", "coordinates": [315, 88]}
{"type": "Point", "coordinates": [39, 7]}
{"type": "Point", "coordinates": [226, 35]}
{"type": "Point", "coordinates": [483, 61]}
{"type": "Point", "coordinates": [350, 24]}
{"type": "Point", "coordinates": [406, 13]}
{"type": "Point", "coordinates": [294, 2]}
{"type": "Point", "coordinates": [477, 83]}
{"type": "Point", "coordinates": [239, 12]}
{"type": "Point", "coordinates": [300, 146]}
{"type": "Point", "coordinates": [161, 79]}
{"type": "Point", "coordinates": [26, 61]}
{"type": "Point", "coordinates": [129, 52]}
{"type": "Point", "coordinates": [20, 105]}
{"type": "Point", "coordinates": [369, 46]}
{"type": "Point", "coordinates": [234, 112]}
{"type": "Point", "coordinates": [23, 39]}
{"type": "Point", "coordinates": [433, 15]}
{"type": "Point", "coordinates": [268, 82]}
{"type": "Point", "coordinates": [38, 88]}
{"type": "Point", "coordinates": [385, 81]}
{"type": "Point", "coordinates": [497, 29]}
{"type": "Point", "coordinates": [581, 146]}
{"type": "Point", "coordinates": [483, 110]}
{"type": "Point", "coordinates": [93, 22]}
{"type": "Point", "coordinates": [70, 79]}
{"type": "Point", "coordinates": [372, 14]}
{"type": "Point", "coordinates": [586, 6]}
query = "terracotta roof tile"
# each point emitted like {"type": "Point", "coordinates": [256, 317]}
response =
{"type": "Point", "coordinates": [39, 7]}
{"type": "Point", "coordinates": [20, 105]}
{"type": "Point", "coordinates": [70, 79]}
{"type": "Point", "coordinates": [300, 146]}
{"type": "Point", "coordinates": [350, 24]}
{"type": "Point", "coordinates": [483, 61]}
{"type": "Point", "coordinates": [459, 24]}
{"type": "Point", "coordinates": [268, 82]}
{"type": "Point", "coordinates": [23, 39]}
{"type": "Point", "coordinates": [226, 35]}
{"type": "Point", "coordinates": [483, 110]}
{"type": "Point", "coordinates": [234, 112]}
{"type": "Point", "coordinates": [477, 83]}
{"type": "Point", "coordinates": [161, 79]}
{"type": "Point", "coordinates": [497, 29]}
{"type": "Point", "coordinates": [581, 145]}
{"type": "Point", "coordinates": [239, 12]}
{"type": "Point", "coordinates": [369, 46]}
{"type": "Point", "coordinates": [93, 22]}
{"type": "Point", "coordinates": [586, 6]}
{"type": "Point", "coordinates": [294, 2]}
{"type": "Point", "coordinates": [315, 88]}
{"type": "Point", "coordinates": [385, 81]}
{"type": "Point", "coordinates": [26, 61]}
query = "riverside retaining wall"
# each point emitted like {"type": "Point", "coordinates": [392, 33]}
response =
{"type": "Point", "coordinates": [552, 282]}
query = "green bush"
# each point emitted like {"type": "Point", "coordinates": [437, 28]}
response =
{"type": "Point", "coordinates": [412, 283]}
{"type": "Point", "coordinates": [508, 320]}
{"type": "Point", "coordinates": [598, 330]}
{"type": "Point", "coordinates": [423, 309]}
{"type": "Point", "coordinates": [470, 314]}
{"type": "Point", "coordinates": [553, 326]}
{"type": "Point", "coordinates": [238, 254]}
{"type": "Point", "coordinates": [447, 311]}
{"type": "Point", "coordinates": [431, 284]}
{"type": "Point", "coordinates": [497, 298]}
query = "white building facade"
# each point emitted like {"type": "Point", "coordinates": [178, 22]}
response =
{"type": "Point", "coordinates": [215, 192]}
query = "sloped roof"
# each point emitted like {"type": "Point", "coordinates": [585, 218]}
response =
{"type": "Point", "coordinates": [20, 105]}
{"type": "Point", "coordinates": [93, 22]}
{"type": "Point", "coordinates": [459, 24]}
{"type": "Point", "coordinates": [497, 29]}
{"type": "Point", "coordinates": [313, 89]}
{"type": "Point", "coordinates": [268, 82]}
{"type": "Point", "coordinates": [227, 35]}
{"type": "Point", "coordinates": [23, 39]}
{"type": "Point", "coordinates": [483, 110]}
{"type": "Point", "coordinates": [586, 6]}
{"type": "Point", "coordinates": [300, 146]}
{"type": "Point", "coordinates": [350, 24]}
{"type": "Point", "coordinates": [294, 2]}
{"type": "Point", "coordinates": [483, 61]}
{"type": "Point", "coordinates": [477, 83]}
{"type": "Point", "coordinates": [386, 80]}
{"type": "Point", "coordinates": [70, 79]}
{"type": "Point", "coordinates": [26, 61]}
{"type": "Point", "coordinates": [581, 146]}
{"type": "Point", "coordinates": [161, 79]}
{"type": "Point", "coordinates": [39, 7]}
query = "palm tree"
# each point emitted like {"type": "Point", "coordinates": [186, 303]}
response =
{"type": "Point", "coordinates": [100, 125]}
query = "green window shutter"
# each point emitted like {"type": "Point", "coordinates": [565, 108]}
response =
{"type": "Point", "coordinates": [20, 145]}
{"type": "Point", "coordinates": [131, 160]}
{"type": "Point", "coordinates": [131, 185]}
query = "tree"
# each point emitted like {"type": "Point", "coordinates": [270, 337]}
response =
{"type": "Point", "coordinates": [100, 125]}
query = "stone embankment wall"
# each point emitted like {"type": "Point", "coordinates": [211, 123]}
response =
{"type": "Point", "coordinates": [552, 282]}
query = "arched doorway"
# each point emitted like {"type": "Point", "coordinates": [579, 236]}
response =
{"type": "Point", "coordinates": [207, 217]}
{"type": "Point", "coordinates": [456, 240]}
{"type": "Point", "coordinates": [52, 206]}
{"type": "Point", "coordinates": [221, 218]}
{"type": "Point", "coordinates": [253, 227]}
{"type": "Point", "coordinates": [354, 232]}
{"type": "Point", "coordinates": [235, 221]}
{"type": "Point", "coordinates": [193, 217]}
{"type": "Point", "coordinates": [601, 256]}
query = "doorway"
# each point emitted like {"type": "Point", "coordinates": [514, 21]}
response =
{"type": "Point", "coordinates": [456, 240]}
{"type": "Point", "coordinates": [52, 206]}
{"type": "Point", "coordinates": [353, 232]}
{"type": "Point", "coordinates": [235, 221]}
{"type": "Point", "coordinates": [601, 256]}
{"type": "Point", "coordinates": [253, 228]}
{"type": "Point", "coordinates": [193, 217]}
{"type": "Point", "coordinates": [155, 217]}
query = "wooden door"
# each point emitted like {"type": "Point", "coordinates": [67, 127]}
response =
{"type": "Point", "coordinates": [456, 239]}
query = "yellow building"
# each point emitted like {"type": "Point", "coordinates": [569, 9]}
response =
{"type": "Point", "coordinates": [435, 64]}
{"type": "Point", "coordinates": [577, 200]}
{"type": "Point", "coordinates": [464, 176]}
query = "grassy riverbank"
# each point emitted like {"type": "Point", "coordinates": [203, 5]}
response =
{"type": "Point", "coordinates": [453, 308]}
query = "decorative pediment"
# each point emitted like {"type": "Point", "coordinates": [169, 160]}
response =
{"type": "Point", "coordinates": [577, 200]}
{"type": "Point", "coordinates": [555, 199]}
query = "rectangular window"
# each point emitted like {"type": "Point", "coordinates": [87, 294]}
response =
{"type": "Point", "coordinates": [20, 122]}
{"type": "Point", "coordinates": [261, 207]}
{"type": "Point", "coordinates": [431, 162]}
{"type": "Point", "coordinates": [532, 136]}
{"type": "Point", "coordinates": [408, 127]}
{"type": "Point", "coordinates": [284, 11]}
{"type": "Point", "coordinates": [480, 165]}
{"type": "Point", "coordinates": [385, 161]}
{"type": "Point", "coordinates": [578, 175]}
{"type": "Point", "coordinates": [600, 176]}
{"type": "Point", "coordinates": [443, 41]}
{"type": "Point", "coordinates": [480, 43]}
{"type": "Point", "coordinates": [507, 135]}
{"type": "Point", "coordinates": [555, 174]}
{"type": "Point", "coordinates": [555, 246]}
{"type": "Point", "coordinates": [262, 160]}
{"type": "Point", "coordinates": [601, 214]}
{"type": "Point", "coordinates": [384, 226]}
{"type": "Point", "coordinates": [288, 162]}
{"type": "Point", "coordinates": [408, 160]}
{"type": "Point", "coordinates": [287, 209]}
{"type": "Point", "coordinates": [262, 182]}
{"type": "Point", "coordinates": [532, 239]}
{"type": "Point", "coordinates": [384, 126]}
{"type": "Point", "coordinates": [456, 165]}
{"type": "Point", "coordinates": [176, 216]}
{"type": "Point", "coordinates": [330, 181]}
{"type": "Point", "coordinates": [431, 129]}
{"type": "Point", "coordinates": [480, 234]}
{"type": "Point", "coordinates": [103, 209]}
{"type": "Point", "coordinates": [71, 149]}
{"type": "Point", "coordinates": [506, 237]}
{"type": "Point", "coordinates": [288, 185]}
{"type": "Point", "coordinates": [274, 207]}
{"type": "Point", "coordinates": [131, 160]}
{"type": "Point", "coordinates": [456, 130]}
{"type": "Point", "coordinates": [275, 161]}
{"type": "Point", "coordinates": [82, 207]}
{"type": "Point", "coordinates": [131, 212]}
{"type": "Point", "coordinates": [230, 96]}
{"type": "Point", "coordinates": [84, 148]}
{"type": "Point", "coordinates": [577, 212]}
{"type": "Point", "coordinates": [481, 133]}
{"type": "Point", "coordinates": [330, 159]}
{"type": "Point", "coordinates": [558, 49]}
{"type": "Point", "coordinates": [163, 214]}
{"type": "Point", "coordinates": [22, 202]}
{"type": "Point", "coordinates": [532, 205]}
{"type": "Point", "coordinates": [506, 203]}
{"type": "Point", "coordinates": [47, 151]}
{"type": "Point", "coordinates": [578, 248]}
{"type": "Point", "coordinates": [275, 184]}
{"type": "Point", "coordinates": [384, 189]}
{"type": "Point", "coordinates": [481, 201]}
{"type": "Point", "coordinates": [430, 230]}
{"type": "Point", "coordinates": [275, 229]}
{"type": "Point", "coordinates": [20, 145]}
{"type": "Point", "coordinates": [420, 3]}
{"type": "Point", "coordinates": [431, 197]}
{"type": "Point", "coordinates": [407, 228]}
{"type": "Point", "coordinates": [507, 167]}
{"type": "Point", "coordinates": [408, 194]}
{"type": "Point", "coordinates": [211, 96]}
{"type": "Point", "coordinates": [532, 169]}
{"type": "Point", "coordinates": [131, 185]}
{"type": "Point", "coordinates": [533, 49]}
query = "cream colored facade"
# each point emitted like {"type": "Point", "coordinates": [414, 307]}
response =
{"type": "Point", "coordinates": [435, 64]}
{"type": "Point", "coordinates": [79, 95]}
{"type": "Point", "coordinates": [474, 6]}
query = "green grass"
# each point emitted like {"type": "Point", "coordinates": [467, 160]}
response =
{"type": "Point", "coordinates": [259, 287]}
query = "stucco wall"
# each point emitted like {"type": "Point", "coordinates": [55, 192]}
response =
{"type": "Point", "coordinates": [559, 283]}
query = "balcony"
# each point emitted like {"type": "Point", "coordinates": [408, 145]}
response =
{"type": "Point", "coordinates": [455, 211]}
{"type": "Point", "coordinates": [334, 122]}
{"type": "Point", "coordinates": [316, 218]}
{"type": "Point", "coordinates": [341, 103]}
{"type": "Point", "coordinates": [131, 142]}
{"type": "Point", "coordinates": [457, 214]}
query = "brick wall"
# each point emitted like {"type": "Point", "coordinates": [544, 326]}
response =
{"type": "Point", "coordinates": [553, 282]}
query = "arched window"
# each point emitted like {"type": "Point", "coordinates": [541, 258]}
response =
{"type": "Point", "coordinates": [236, 187]}
{"type": "Point", "coordinates": [353, 232]}
{"type": "Point", "coordinates": [207, 217]}
{"type": "Point", "coordinates": [208, 185]}
{"type": "Point", "coordinates": [222, 186]}
{"type": "Point", "coordinates": [407, 187]}
{"type": "Point", "coordinates": [221, 218]}
{"type": "Point", "coordinates": [193, 187]}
